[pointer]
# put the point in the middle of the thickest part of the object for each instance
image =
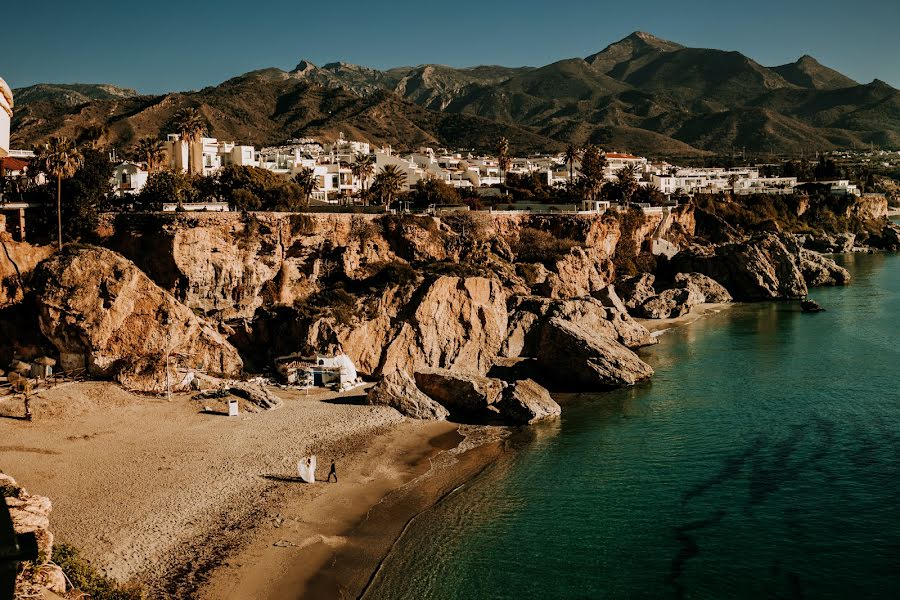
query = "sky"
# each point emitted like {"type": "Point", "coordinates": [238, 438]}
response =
{"type": "Point", "coordinates": [163, 46]}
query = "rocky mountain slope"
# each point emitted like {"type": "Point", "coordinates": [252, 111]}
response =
{"type": "Point", "coordinates": [641, 94]}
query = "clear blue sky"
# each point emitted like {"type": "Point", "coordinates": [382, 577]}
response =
{"type": "Point", "coordinates": [163, 45]}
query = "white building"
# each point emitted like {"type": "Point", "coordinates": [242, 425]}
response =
{"type": "Point", "coordinates": [128, 179]}
{"type": "Point", "coordinates": [742, 181]}
{"type": "Point", "coordinates": [6, 113]}
{"type": "Point", "coordinates": [207, 156]}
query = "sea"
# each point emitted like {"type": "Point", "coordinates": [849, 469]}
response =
{"type": "Point", "coordinates": [761, 461]}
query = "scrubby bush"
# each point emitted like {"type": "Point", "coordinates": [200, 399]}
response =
{"type": "Point", "coordinates": [539, 246]}
{"type": "Point", "coordinates": [88, 580]}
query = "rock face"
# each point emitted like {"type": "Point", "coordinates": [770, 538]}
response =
{"type": "Point", "coordinates": [17, 261]}
{"type": "Point", "coordinates": [763, 268]}
{"type": "Point", "coordinates": [31, 514]}
{"type": "Point", "coordinates": [458, 392]}
{"type": "Point", "coordinates": [669, 304]}
{"type": "Point", "coordinates": [525, 402]}
{"type": "Point", "coordinates": [103, 314]}
{"type": "Point", "coordinates": [818, 270]}
{"type": "Point", "coordinates": [458, 324]}
{"type": "Point", "coordinates": [889, 239]}
{"type": "Point", "coordinates": [399, 391]}
{"type": "Point", "coordinates": [636, 290]}
{"type": "Point", "coordinates": [838, 243]}
{"type": "Point", "coordinates": [703, 288]}
{"type": "Point", "coordinates": [579, 359]}
{"type": "Point", "coordinates": [530, 313]}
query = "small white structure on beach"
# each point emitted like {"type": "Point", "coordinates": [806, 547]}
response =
{"type": "Point", "coordinates": [306, 469]}
{"type": "Point", "coordinates": [338, 371]}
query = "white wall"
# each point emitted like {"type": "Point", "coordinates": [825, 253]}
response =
{"type": "Point", "coordinates": [6, 106]}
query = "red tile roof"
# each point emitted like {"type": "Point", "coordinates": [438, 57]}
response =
{"type": "Point", "coordinates": [617, 155]}
{"type": "Point", "coordinates": [9, 163]}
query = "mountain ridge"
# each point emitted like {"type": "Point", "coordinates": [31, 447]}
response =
{"type": "Point", "coordinates": [642, 93]}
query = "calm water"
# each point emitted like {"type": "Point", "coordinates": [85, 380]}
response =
{"type": "Point", "coordinates": [762, 461]}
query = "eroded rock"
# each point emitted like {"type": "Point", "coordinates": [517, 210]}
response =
{"type": "Point", "coordinates": [819, 270]}
{"type": "Point", "coordinates": [471, 394]}
{"type": "Point", "coordinates": [576, 358]}
{"type": "Point", "coordinates": [399, 391]}
{"type": "Point", "coordinates": [525, 402]}
{"type": "Point", "coordinates": [706, 289]}
{"type": "Point", "coordinates": [104, 315]}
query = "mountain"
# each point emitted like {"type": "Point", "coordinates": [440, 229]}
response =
{"type": "Point", "coordinates": [641, 94]}
{"type": "Point", "coordinates": [71, 94]}
{"type": "Point", "coordinates": [809, 73]}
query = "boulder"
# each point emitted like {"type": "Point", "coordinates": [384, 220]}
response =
{"type": "Point", "coordinates": [256, 394]}
{"type": "Point", "coordinates": [459, 324]}
{"type": "Point", "coordinates": [31, 514]}
{"type": "Point", "coordinates": [579, 359]}
{"type": "Point", "coordinates": [831, 244]}
{"type": "Point", "coordinates": [470, 394]}
{"type": "Point", "coordinates": [525, 402]}
{"type": "Point", "coordinates": [636, 290]}
{"type": "Point", "coordinates": [701, 286]}
{"type": "Point", "coordinates": [669, 304]}
{"type": "Point", "coordinates": [889, 238]}
{"type": "Point", "coordinates": [399, 391]}
{"type": "Point", "coordinates": [529, 313]}
{"type": "Point", "coordinates": [819, 270]}
{"type": "Point", "coordinates": [763, 268]}
{"type": "Point", "coordinates": [103, 314]}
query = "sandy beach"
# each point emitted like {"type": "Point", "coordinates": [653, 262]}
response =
{"type": "Point", "coordinates": [197, 504]}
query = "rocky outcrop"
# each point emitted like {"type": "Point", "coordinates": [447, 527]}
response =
{"type": "Point", "coordinates": [669, 304]}
{"type": "Point", "coordinates": [818, 270]}
{"type": "Point", "coordinates": [636, 290]}
{"type": "Point", "coordinates": [458, 324]}
{"type": "Point", "coordinates": [31, 514]}
{"type": "Point", "coordinates": [575, 358]}
{"type": "Point", "coordinates": [525, 402]}
{"type": "Point", "coordinates": [762, 268]}
{"type": "Point", "coordinates": [17, 261]}
{"type": "Point", "coordinates": [104, 315]}
{"type": "Point", "coordinates": [601, 316]}
{"type": "Point", "coordinates": [256, 394]}
{"type": "Point", "coordinates": [703, 288]}
{"type": "Point", "coordinates": [458, 392]}
{"type": "Point", "coordinates": [399, 391]}
{"type": "Point", "coordinates": [831, 244]}
{"type": "Point", "coordinates": [889, 238]}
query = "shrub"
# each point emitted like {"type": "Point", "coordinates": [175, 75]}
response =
{"type": "Point", "coordinates": [88, 580]}
{"type": "Point", "coordinates": [539, 246]}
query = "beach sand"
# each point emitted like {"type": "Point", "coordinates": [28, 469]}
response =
{"type": "Point", "coordinates": [657, 326]}
{"type": "Point", "coordinates": [197, 504]}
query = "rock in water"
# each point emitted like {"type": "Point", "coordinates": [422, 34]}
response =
{"type": "Point", "coordinates": [710, 290]}
{"type": "Point", "coordinates": [472, 394]}
{"type": "Point", "coordinates": [105, 315]}
{"type": "Point", "coordinates": [399, 391]}
{"type": "Point", "coordinates": [579, 359]}
{"type": "Point", "coordinates": [763, 268]}
{"type": "Point", "coordinates": [819, 270]}
{"type": "Point", "coordinates": [459, 323]}
{"type": "Point", "coordinates": [525, 402]}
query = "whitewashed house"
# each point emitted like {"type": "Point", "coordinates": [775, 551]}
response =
{"type": "Point", "coordinates": [128, 179]}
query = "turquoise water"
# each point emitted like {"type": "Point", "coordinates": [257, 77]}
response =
{"type": "Point", "coordinates": [762, 461]}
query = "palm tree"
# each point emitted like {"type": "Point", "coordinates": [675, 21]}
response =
{"type": "Point", "coordinates": [151, 150]}
{"type": "Point", "coordinates": [628, 181]}
{"type": "Point", "coordinates": [306, 179]}
{"type": "Point", "coordinates": [58, 158]}
{"type": "Point", "coordinates": [367, 170]}
{"type": "Point", "coordinates": [593, 171]}
{"type": "Point", "coordinates": [389, 183]}
{"type": "Point", "coordinates": [732, 181]}
{"type": "Point", "coordinates": [571, 155]}
{"type": "Point", "coordinates": [191, 125]}
{"type": "Point", "coordinates": [503, 156]}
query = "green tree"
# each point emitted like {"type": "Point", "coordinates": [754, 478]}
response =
{"type": "Point", "coordinates": [571, 156]}
{"type": "Point", "coordinates": [433, 191]}
{"type": "Point", "coordinates": [152, 151]}
{"type": "Point", "coordinates": [388, 183]}
{"type": "Point", "coordinates": [628, 181]}
{"type": "Point", "coordinates": [593, 171]}
{"type": "Point", "coordinates": [503, 160]}
{"type": "Point", "coordinates": [190, 125]}
{"type": "Point", "coordinates": [166, 186]}
{"type": "Point", "coordinates": [60, 159]}
{"type": "Point", "coordinates": [305, 179]}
